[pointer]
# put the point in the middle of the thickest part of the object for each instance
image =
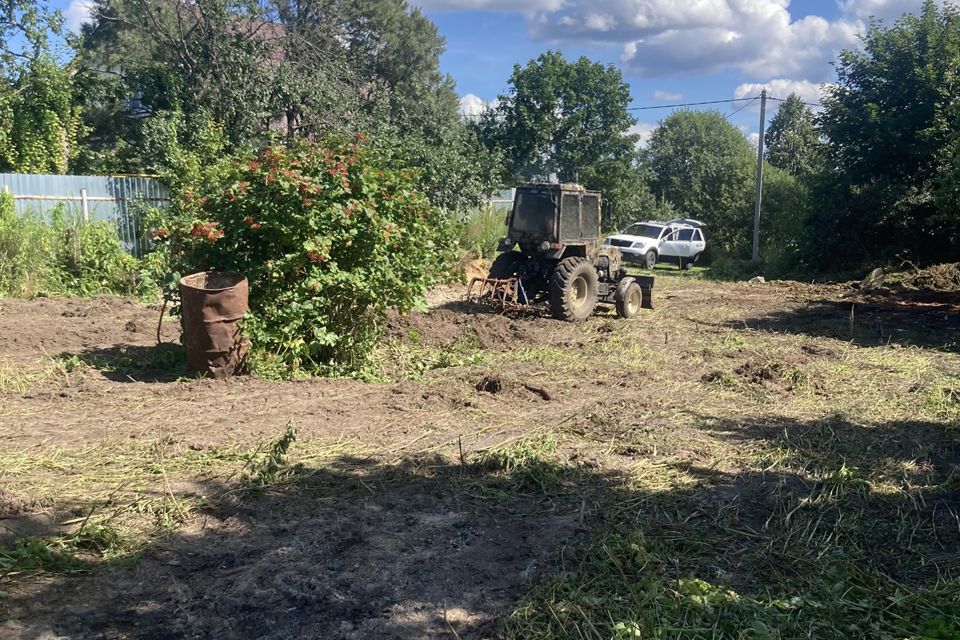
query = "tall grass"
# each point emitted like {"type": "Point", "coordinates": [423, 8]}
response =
{"type": "Point", "coordinates": [63, 256]}
{"type": "Point", "coordinates": [481, 231]}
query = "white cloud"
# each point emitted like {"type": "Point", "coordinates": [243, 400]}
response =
{"type": "Point", "coordinates": [666, 96]}
{"type": "Point", "coordinates": [78, 14]}
{"type": "Point", "coordinates": [887, 10]}
{"type": "Point", "coordinates": [781, 88]}
{"type": "Point", "coordinates": [757, 37]}
{"type": "Point", "coordinates": [760, 38]}
{"type": "Point", "coordinates": [473, 105]}
{"type": "Point", "coordinates": [644, 130]}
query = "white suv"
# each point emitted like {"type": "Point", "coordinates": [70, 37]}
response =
{"type": "Point", "coordinates": [679, 241]}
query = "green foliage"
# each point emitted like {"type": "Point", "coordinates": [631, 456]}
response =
{"type": "Point", "coordinates": [398, 360]}
{"type": "Point", "coordinates": [569, 119]}
{"type": "Point", "coordinates": [93, 261]}
{"type": "Point", "coordinates": [186, 151]}
{"type": "Point", "coordinates": [33, 554]}
{"type": "Point", "coordinates": [617, 588]}
{"type": "Point", "coordinates": [784, 231]}
{"type": "Point", "coordinates": [74, 259]}
{"type": "Point", "coordinates": [481, 231]}
{"type": "Point", "coordinates": [892, 121]}
{"type": "Point", "coordinates": [205, 86]}
{"type": "Point", "coordinates": [524, 466]}
{"type": "Point", "coordinates": [39, 116]}
{"type": "Point", "coordinates": [704, 167]}
{"type": "Point", "coordinates": [265, 467]}
{"type": "Point", "coordinates": [792, 141]}
{"type": "Point", "coordinates": [330, 236]}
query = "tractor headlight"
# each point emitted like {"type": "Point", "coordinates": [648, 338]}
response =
{"type": "Point", "coordinates": [544, 246]}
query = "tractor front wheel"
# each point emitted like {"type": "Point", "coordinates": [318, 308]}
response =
{"type": "Point", "coordinates": [573, 289]}
{"type": "Point", "coordinates": [628, 298]}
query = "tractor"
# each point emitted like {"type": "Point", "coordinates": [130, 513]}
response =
{"type": "Point", "coordinates": [552, 253]}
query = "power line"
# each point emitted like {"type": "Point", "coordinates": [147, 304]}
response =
{"type": "Point", "coordinates": [809, 104]}
{"type": "Point", "coordinates": [689, 104]}
{"type": "Point", "coordinates": [730, 115]}
{"type": "Point", "coordinates": [661, 106]}
{"type": "Point", "coordinates": [674, 106]}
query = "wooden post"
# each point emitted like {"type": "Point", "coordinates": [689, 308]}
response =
{"type": "Point", "coordinates": [84, 206]}
{"type": "Point", "coordinates": [759, 194]}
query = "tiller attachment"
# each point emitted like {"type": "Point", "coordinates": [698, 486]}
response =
{"type": "Point", "coordinates": [505, 294]}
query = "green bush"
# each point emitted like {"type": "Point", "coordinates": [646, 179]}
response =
{"type": "Point", "coordinates": [92, 260]}
{"type": "Point", "coordinates": [61, 258]}
{"type": "Point", "coordinates": [330, 237]}
{"type": "Point", "coordinates": [725, 267]}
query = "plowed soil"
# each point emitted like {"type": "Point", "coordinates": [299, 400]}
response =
{"type": "Point", "coordinates": [388, 530]}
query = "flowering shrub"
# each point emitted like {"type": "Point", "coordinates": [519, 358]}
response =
{"type": "Point", "coordinates": [330, 237]}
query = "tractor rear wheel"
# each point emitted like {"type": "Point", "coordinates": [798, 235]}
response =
{"type": "Point", "coordinates": [573, 289]}
{"type": "Point", "coordinates": [628, 298]}
{"type": "Point", "coordinates": [506, 265]}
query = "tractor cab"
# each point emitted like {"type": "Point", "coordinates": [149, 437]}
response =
{"type": "Point", "coordinates": [552, 218]}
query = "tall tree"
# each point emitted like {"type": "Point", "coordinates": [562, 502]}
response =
{"type": "Point", "coordinates": [891, 120]}
{"type": "Point", "coordinates": [260, 69]}
{"type": "Point", "coordinates": [567, 119]}
{"type": "Point", "coordinates": [703, 166]}
{"type": "Point", "coordinates": [792, 141]}
{"type": "Point", "coordinates": [39, 116]}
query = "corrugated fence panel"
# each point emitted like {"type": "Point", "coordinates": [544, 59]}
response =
{"type": "Point", "coordinates": [111, 198]}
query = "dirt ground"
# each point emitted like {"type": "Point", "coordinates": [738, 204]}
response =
{"type": "Point", "coordinates": [391, 520]}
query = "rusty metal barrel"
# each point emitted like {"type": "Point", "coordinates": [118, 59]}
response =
{"type": "Point", "coordinates": [212, 304]}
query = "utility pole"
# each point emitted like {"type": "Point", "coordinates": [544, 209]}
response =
{"type": "Point", "coordinates": [759, 194]}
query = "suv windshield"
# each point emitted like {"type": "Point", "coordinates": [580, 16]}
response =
{"type": "Point", "coordinates": [534, 213]}
{"type": "Point", "coordinates": [643, 230]}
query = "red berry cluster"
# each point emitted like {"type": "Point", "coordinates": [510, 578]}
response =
{"type": "Point", "coordinates": [207, 230]}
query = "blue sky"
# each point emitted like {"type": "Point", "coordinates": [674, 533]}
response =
{"type": "Point", "coordinates": [669, 50]}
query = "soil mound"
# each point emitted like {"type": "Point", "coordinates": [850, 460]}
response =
{"type": "Point", "coordinates": [943, 278]}
{"type": "Point", "coordinates": [463, 322]}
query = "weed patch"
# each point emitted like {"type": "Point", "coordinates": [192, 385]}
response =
{"type": "Point", "coordinates": [619, 586]}
{"type": "Point", "coordinates": [529, 465]}
{"type": "Point", "coordinates": [69, 257]}
{"type": "Point", "coordinates": [480, 232]}
{"type": "Point", "coordinates": [268, 464]}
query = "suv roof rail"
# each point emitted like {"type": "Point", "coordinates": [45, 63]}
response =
{"type": "Point", "coordinates": [687, 221]}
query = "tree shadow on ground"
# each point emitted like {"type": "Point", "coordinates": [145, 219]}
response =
{"type": "Point", "coordinates": [360, 548]}
{"type": "Point", "coordinates": [164, 362]}
{"type": "Point", "coordinates": [930, 321]}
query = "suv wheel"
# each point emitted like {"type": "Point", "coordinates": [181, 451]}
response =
{"type": "Point", "coordinates": [573, 289]}
{"type": "Point", "coordinates": [650, 259]}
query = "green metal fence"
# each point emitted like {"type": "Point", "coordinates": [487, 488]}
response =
{"type": "Point", "coordinates": [119, 200]}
